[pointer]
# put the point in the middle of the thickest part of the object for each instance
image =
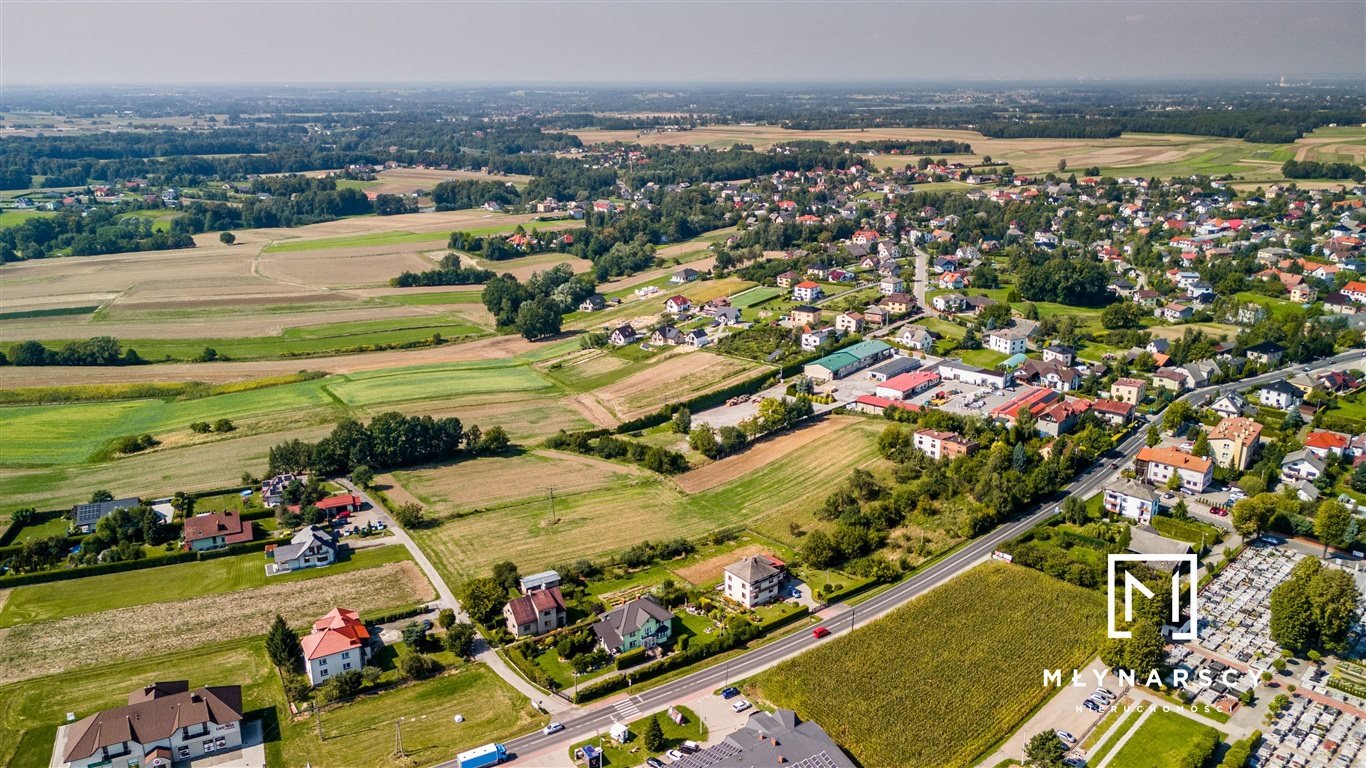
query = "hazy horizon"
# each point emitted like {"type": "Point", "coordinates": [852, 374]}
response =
{"type": "Point", "coordinates": [688, 42]}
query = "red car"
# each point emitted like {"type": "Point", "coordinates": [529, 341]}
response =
{"type": "Point", "coordinates": [820, 632]}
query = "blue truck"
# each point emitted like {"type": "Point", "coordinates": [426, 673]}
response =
{"type": "Point", "coordinates": [489, 754]}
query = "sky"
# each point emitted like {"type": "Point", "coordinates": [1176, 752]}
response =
{"type": "Point", "coordinates": [679, 41]}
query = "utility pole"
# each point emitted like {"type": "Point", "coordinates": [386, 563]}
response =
{"type": "Point", "coordinates": [398, 737]}
{"type": "Point", "coordinates": [553, 519]}
{"type": "Point", "coordinates": [318, 711]}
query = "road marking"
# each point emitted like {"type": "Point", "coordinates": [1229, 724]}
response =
{"type": "Point", "coordinates": [629, 707]}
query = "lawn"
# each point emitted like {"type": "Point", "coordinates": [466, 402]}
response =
{"type": "Point", "coordinates": [1165, 739]}
{"type": "Point", "coordinates": [959, 667]}
{"type": "Point", "coordinates": [54, 527]}
{"type": "Point", "coordinates": [10, 217]}
{"type": "Point", "coordinates": [633, 752]}
{"type": "Point", "coordinates": [982, 358]}
{"type": "Point", "coordinates": [1277, 308]}
{"type": "Point", "coordinates": [387, 238]}
{"type": "Point", "coordinates": [327, 338]}
{"type": "Point", "coordinates": [756, 295]}
{"type": "Point", "coordinates": [395, 385]}
{"type": "Point", "coordinates": [437, 297]}
{"type": "Point", "coordinates": [56, 600]}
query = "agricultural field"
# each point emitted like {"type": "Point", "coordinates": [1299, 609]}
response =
{"type": "Point", "coordinates": [10, 217]}
{"type": "Point", "coordinates": [57, 646]}
{"type": "Point", "coordinates": [471, 485]}
{"type": "Point", "coordinates": [612, 515]}
{"type": "Point", "coordinates": [168, 584]}
{"type": "Point", "coordinates": [1001, 624]}
{"type": "Point", "coordinates": [671, 378]}
{"type": "Point", "coordinates": [1166, 738]}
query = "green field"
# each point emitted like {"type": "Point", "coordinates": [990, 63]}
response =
{"type": "Point", "coordinates": [1277, 308]}
{"type": "Point", "coordinates": [1163, 740]}
{"type": "Point", "coordinates": [958, 667]}
{"type": "Point", "coordinates": [394, 238]}
{"type": "Point", "coordinates": [756, 295]}
{"type": "Point", "coordinates": [436, 381]}
{"type": "Point", "coordinates": [326, 338]}
{"type": "Point", "coordinates": [1130, 719]}
{"type": "Point", "coordinates": [358, 734]}
{"type": "Point", "coordinates": [441, 297]}
{"type": "Point", "coordinates": [60, 599]}
{"type": "Point", "coordinates": [10, 217]}
{"type": "Point", "coordinates": [161, 219]}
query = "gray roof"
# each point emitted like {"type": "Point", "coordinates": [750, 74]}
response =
{"type": "Point", "coordinates": [537, 580]}
{"type": "Point", "coordinates": [752, 569]}
{"type": "Point", "coordinates": [1132, 488]}
{"type": "Point", "coordinates": [627, 618]}
{"type": "Point", "coordinates": [1145, 540]}
{"type": "Point", "coordinates": [1284, 387]}
{"type": "Point", "coordinates": [89, 514]}
{"type": "Point", "coordinates": [771, 739]}
{"type": "Point", "coordinates": [1304, 455]}
{"type": "Point", "coordinates": [305, 538]}
{"type": "Point", "coordinates": [895, 365]}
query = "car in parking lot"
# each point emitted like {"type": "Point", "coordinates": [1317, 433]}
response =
{"type": "Point", "coordinates": [740, 706]}
{"type": "Point", "coordinates": [1066, 737]}
{"type": "Point", "coordinates": [654, 762]}
{"type": "Point", "coordinates": [730, 693]}
{"type": "Point", "coordinates": [1091, 705]}
{"type": "Point", "coordinates": [1107, 693]}
{"type": "Point", "coordinates": [820, 632]}
{"type": "Point", "coordinates": [675, 754]}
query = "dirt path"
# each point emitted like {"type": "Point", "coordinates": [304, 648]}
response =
{"type": "Point", "coordinates": [593, 410]}
{"type": "Point", "coordinates": [721, 472]}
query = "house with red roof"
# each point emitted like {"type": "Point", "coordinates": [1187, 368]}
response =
{"type": "Point", "coordinates": [1355, 290]}
{"type": "Point", "coordinates": [1159, 465]}
{"type": "Point", "coordinates": [1113, 411]}
{"type": "Point", "coordinates": [806, 292]}
{"type": "Point", "coordinates": [217, 530]}
{"type": "Point", "coordinates": [338, 643]}
{"type": "Point", "coordinates": [536, 613]}
{"type": "Point", "coordinates": [1322, 442]}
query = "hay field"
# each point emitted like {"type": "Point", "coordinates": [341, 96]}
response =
{"type": "Point", "coordinates": [711, 569]}
{"type": "Point", "coordinates": [673, 379]}
{"type": "Point", "coordinates": [523, 268]}
{"type": "Point", "coordinates": [403, 181]}
{"type": "Point", "coordinates": [527, 416]}
{"type": "Point", "coordinates": [619, 513]}
{"type": "Point", "coordinates": [493, 481]}
{"type": "Point", "coordinates": [761, 455]}
{"type": "Point", "coordinates": [52, 647]}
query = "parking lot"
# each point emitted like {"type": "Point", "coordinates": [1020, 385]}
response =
{"type": "Point", "coordinates": [967, 399]}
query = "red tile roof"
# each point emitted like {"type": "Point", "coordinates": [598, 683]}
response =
{"type": "Point", "coordinates": [1174, 458]}
{"type": "Point", "coordinates": [226, 524]}
{"type": "Point", "coordinates": [1325, 439]}
{"type": "Point", "coordinates": [526, 608]}
{"type": "Point", "coordinates": [340, 630]}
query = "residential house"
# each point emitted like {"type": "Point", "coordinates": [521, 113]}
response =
{"type": "Point", "coordinates": [953, 281]}
{"type": "Point", "coordinates": [754, 581]}
{"type": "Point", "coordinates": [1158, 465]}
{"type": "Point", "coordinates": [666, 335]}
{"type": "Point", "coordinates": [890, 285]}
{"type": "Point", "coordinates": [1267, 353]}
{"type": "Point", "coordinates": [1170, 379]}
{"type": "Point", "coordinates": [697, 338]}
{"type": "Point", "coordinates": [273, 489]}
{"type": "Point", "coordinates": [949, 302]}
{"type": "Point", "coordinates": [1055, 376]}
{"type": "Point", "coordinates": [1128, 390]}
{"type": "Point", "coordinates": [726, 316]}
{"type": "Point", "coordinates": [1007, 341]}
{"type": "Point", "coordinates": [310, 547]}
{"type": "Point", "coordinates": [217, 530]}
{"type": "Point", "coordinates": [1281, 395]}
{"type": "Point", "coordinates": [622, 335]}
{"type": "Point", "coordinates": [849, 322]}
{"type": "Point", "coordinates": [682, 276]}
{"type": "Point", "coordinates": [84, 517]}
{"type": "Point", "coordinates": [938, 444]}
{"type": "Point", "coordinates": [1231, 404]}
{"type": "Point", "coordinates": [1061, 417]}
{"type": "Point", "coordinates": [876, 317]}
{"type": "Point", "coordinates": [772, 739]}
{"type": "Point", "coordinates": [973, 305]}
{"type": "Point", "coordinates": [805, 315]}
{"type": "Point", "coordinates": [338, 643]}
{"type": "Point", "coordinates": [915, 337]}
{"type": "Point", "coordinates": [1133, 500]}
{"type": "Point", "coordinates": [163, 723]}
{"type": "Point", "coordinates": [535, 613]}
{"type": "Point", "coordinates": [786, 279]}
{"type": "Point", "coordinates": [538, 581]}
{"type": "Point", "coordinates": [1059, 353]}
{"type": "Point", "coordinates": [1302, 465]}
{"type": "Point", "coordinates": [897, 303]}
{"type": "Point", "coordinates": [1322, 442]}
{"type": "Point", "coordinates": [1355, 290]}
{"type": "Point", "coordinates": [1233, 441]}
{"type": "Point", "coordinates": [1175, 312]}
{"type": "Point", "coordinates": [1303, 294]}
{"type": "Point", "coordinates": [677, 305]}
{"type": "Point", "coordinates": [807, 291]}
{"type": "Point", "coordinates": [1114, 412]}
{"type": "Point", "coordinates": [593, 303]}
{"type": "Point", "coordinates": [639, 623]}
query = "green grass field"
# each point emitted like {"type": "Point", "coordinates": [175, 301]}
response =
{"type": "Point", "coordinates": [436, 381]}
{"type": "Point", "coordinates": [359, 733]}
{"type": "Point", "coordinates": [442, 297]}
{"type": "Point", "coordinates": [958, 667]}
{"type": "Point", "coordinates": [756, 295]}
{"type": "Point", "coordinates": [1278, 308]}
{"type": "Point", "coordinates": [326, 338]}
{"type": "Point", "coordinates": [57, 600]}
{"type": "Point", "coordinates": [1130, 719]}
{"type": "Point", "coordinates": [10, 217]}
{"type": "Point", "coordinates": [1162, 741]}
{"type": "Point", "coordinates": [393, 238]}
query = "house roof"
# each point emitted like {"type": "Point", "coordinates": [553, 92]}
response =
{"type": "Point", "coordinates": [340, 630]}
{"type": "Point", "coordinates": [338, 501]}
{"type": "Point", "coordinates": [909, 382]}
{"type": "Point", "coordinates": [1105, 405]}
{"type": "Point", "coordinates": [1238, 429]}
{"type": "Point", "coordinates": [1129, 382]}
{"type": "Point", "coordinates": [1283, 387]}
{"type": "Point", "coordinates": [1174, 458]}
{"type": "Point", "coordinates": [1305, 456]}
{"type": "Point", "coordinates": [771, 739]}
{"type": "Point", "coordinates": [526, 608]}
{"type": "Point", "coordinates": [1145, 540]}
{"type": "Point", "coordinates": [752, 569]}
{"type": "Point", "coordinates": [807, 285]}
{"type": "Point", "coordinates": [627, 618]}
{"type": "Point", "coordinates": [1324, 439]}
{"type": "Point", "coordinates": [301, 541]}
{"type": "Point", "coordinates": [89, 514]}
{"type": "Point", "coordinates": [536, 580]}
{"type": "Point", "coordinates": [226, 524]}
{"type": "Point", "coordinates": [1132, 488]}
{"type": "Point", "coordinates": [153, 714]}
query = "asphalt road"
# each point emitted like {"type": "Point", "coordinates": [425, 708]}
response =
{"type": "Point", "coordinates": [598, 718]}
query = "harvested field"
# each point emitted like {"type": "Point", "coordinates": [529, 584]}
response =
{"type": "Point", "coordinates": [673, 379]}
{"type": "Point", "coordinates": [523, 268]}
{"type": "Point", "coordinates": [760, 455]}
{"type": "Point", "coordinates": [526, 417]}
{"type": "Point", "coordinates": [345, 267]}
{"type": "Point", "coordinates": [710, 570]}
{"type": "Point", "coordinates": [53, 647]}
{"type": "Point", "coordinates": [403, 181]}
{"type": "Point", "coordinates": [490, 482]}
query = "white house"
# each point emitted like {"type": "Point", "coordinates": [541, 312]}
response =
{"type": "Point", "coordinates": [948, 302]}
{"type": "Point", "coordinates": [622, 335]}
{"type": "Point", "coordinates": [1302, 465]}
{"type": "Point", "coordinates": [938, 444]}
{"type": "Point", "coordinates": [813, 338]}
{"type": "Point", "coordinates": [311, 547]}
{"type": "Point", "coordinates": [890, 285]}
{"type": "Point", "coordinates": [1159, 465]}
{"type": "Point", "coordinates": [338, 643]}
{"type": "Point", "coordinates": [163, 723]}
{"type": "Point", "coordinates": [1231, 404]}
{"type": "Point", "coordinates": [1133, 500]}
{"type": "Point", "coordinates": [849, 322]}
{"type": "Point", "coordinates": [1007, 341]}
{"type": "Point", "coordinates": [755, 580]}
{"type": "Point", "coordinates": [1281, 395]}
{"type": "Point", "coordinates": [915, 337]}
{"type": "Point", "coordinates": [807, 291]}
{"type": "Point", "coordinates": [677, 305]}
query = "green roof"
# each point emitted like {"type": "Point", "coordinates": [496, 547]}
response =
{"type": "Point", "coordinates": [851, 355]}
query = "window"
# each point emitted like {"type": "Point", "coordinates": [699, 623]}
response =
{"type": "Point", "coordinates": [324, 673]}
{"type": "Point", "coordinates": [346, 665]}
{"type": "Point", "coordinates": [322, 662]}
{"type": "Point", "coordinates": [346, 654]}
{"type": "Point", "coordinates": [183, 751]}
{"type": "Point", "coordinates": [192, 731]}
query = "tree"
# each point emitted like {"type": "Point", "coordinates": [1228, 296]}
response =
{"type": "Point", "coordinates": [445, 618]}
{"type": "Point", "coordinates": [538, 318]}
{"type": "Point", "coordinates": [1177, 414]}
{"type": "Point", "coordinates": [1201, 446]}
{"type": "Point", "coordinates": [417, 666]}
{"type": "Point", "coordinates": [1331, 524]}
{"type": "Point", "coordinates": [101, 496]}
{"type": "Point", "coordinates": [1292, 615]}
{"type": "Point", "coordinates": [506, 575]}
{"type": "Point", "coordinates": [681, 423]}
{"type": "Point", "coordinates": [363, 476]}
{"type": "Point", "coordinates": [1358, 480]}
{"type": "Point", "coordinates": [348, 683]}
{"type": "Point", "coordinates": [653, 738]}
{"type": "Point", "coordinates": [1045, 750]}
{"type": "Point", "coordinates": [1074, 510]}
{"type": "Point", "coordinates": [1062, 165]}
{"type": "Point", "coordinates": [483, 599]}
{"type": "Point", "coordinates": [410, 515]}
{"type": "Point", "coordinates": [227, 238]}
{"type": "Point", "coordinates": [282, 644]}
{"type": "Point", "coordinates": [414, 636]}
{"type": "Point", "coordinates": [1154, 436]}
{"type": "Point", "coordinates": [1252, 515]}
{"type": "Point", "coordinates": [223, 425]}
{"type": "Point", "coordinates": [459, 639]}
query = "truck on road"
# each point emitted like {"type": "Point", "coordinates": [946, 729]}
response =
{"type": "Point", "coordinates": [489, 754]}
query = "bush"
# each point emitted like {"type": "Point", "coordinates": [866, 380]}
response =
{"type": "Point", "coordinates": [417, 666]}
{"type": "Point", "coordinates": [134, 443]}
{"type": "Point", "coordinates": [297, 688]}
{"type": "Point", "coordinates": [630, 658]}
{"type": "Point", "coordinates": [348, 683]}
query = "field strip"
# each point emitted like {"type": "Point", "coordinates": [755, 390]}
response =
{"type": "Point", "coordinates": [53, 647]}
{"type": "Point", "coordinates": [762, 454]}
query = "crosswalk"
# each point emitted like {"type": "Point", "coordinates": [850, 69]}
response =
{"type": "Point", "coordinates": [628, 708]}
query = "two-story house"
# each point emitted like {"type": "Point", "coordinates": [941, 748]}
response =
{"type": "Point", "coordinates": [536, 613]}
{"type": "Point", "coordinates": [311, 547]}
{"type": "Point", "coordinates": [217, 530]}
{"type": "Point", "coordinates": [755, 580]}
{"type": "Point", "coordinates": [640, 623]}
{"type": "Point", "coordinates": [163, 723]}
{"type": "Point", "coordinates": [1133, 500]}
{"type": "Point", "coordinates": [338, 643]}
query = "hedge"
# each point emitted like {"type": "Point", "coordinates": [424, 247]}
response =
{"type": "Point", "coordinates": [100, 569]}
{"type": "Point", "coordinates": [12, 530]}
{"type": "Point", "coordinates": [397, 615]}
{"type": "Point", "coordinates": [676, 660]}
{"type": "Point", "coordinates": [629, 658]}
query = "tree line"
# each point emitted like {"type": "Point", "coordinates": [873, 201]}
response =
{"type": "Point", "coordinates": [100, 350]}
{"type": "Point", "coordinates": [389, 440]}
{"type": "Point", "coordinates": [449, 272]}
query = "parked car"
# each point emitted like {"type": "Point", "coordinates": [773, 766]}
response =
{"type": "Point", "coordinates": [689, 747]}
{"type": "Point", "coordinates": [1067, 738]}
{"type": "Point", "coordinates": [552, 728]}
{"type": "Point", "coordinates": [730, 693]}
{"type": "Point", "coordinates": [820, 632]}
{"type": "Point", "coordinates": [1107, 693]}
{"type": "Point", "coordinates": [1091, 705]}
{"type": "Point", "coordinates": [739, 706]}
{"type": "Point", "coordinates": [654, 762]}
{"type": "Point", "coordinates": [675, 754]}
